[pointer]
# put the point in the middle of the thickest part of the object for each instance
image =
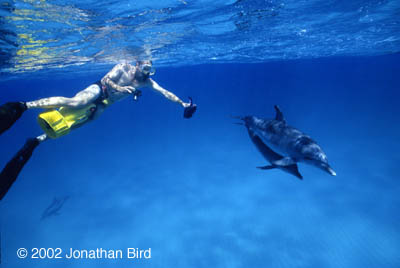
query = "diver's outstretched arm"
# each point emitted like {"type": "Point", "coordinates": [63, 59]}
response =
{"type": "Point", "coordinates": [10, 172]}
{"type": "Point", "coordinates": [169, 95]}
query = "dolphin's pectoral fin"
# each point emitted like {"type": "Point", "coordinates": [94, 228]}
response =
{"type": "Point", "coordinates": [267, 167]}
{"type": "Point", "coordinates": [284, 162]}
{"type": "Point", "coordinates": [294, 169]}
{"type": "Point", "coordinates": [279, 114]}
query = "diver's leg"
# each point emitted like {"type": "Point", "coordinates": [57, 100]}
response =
{"type": "Point", "coordinates": [81, 99]}
{"type": "Point", "coordinates": [11, 171]}
{"type": "Point", "coordinates": [12, 111]}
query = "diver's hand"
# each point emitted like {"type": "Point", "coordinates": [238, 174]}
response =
{"type": "Point", "coordinates": [127, 89]}
{"type": "Point", "coordinates": [137, 94]}
{"type": "Point", "coordinates": [190, 108]}
{"type": "Point", "coordinates": [186, 104]}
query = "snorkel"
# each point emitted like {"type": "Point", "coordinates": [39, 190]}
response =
{"type": "Point", "coordinates": [144, 71]}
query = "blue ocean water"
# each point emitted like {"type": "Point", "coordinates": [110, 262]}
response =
{"type": "Point", "coordinates": [143, 177]}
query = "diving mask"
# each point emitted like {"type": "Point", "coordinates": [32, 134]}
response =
{"type": "Point", "coordinates": [148, 69]}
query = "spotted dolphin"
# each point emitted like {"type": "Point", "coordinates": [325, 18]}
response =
{"type": "Point", "coordinates": [284, 146]}
{"type": "Point", "coordinates": [271, 156]}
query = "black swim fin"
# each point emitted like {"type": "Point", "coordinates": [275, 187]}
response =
{"type": "Point", "coordinates": [10, 172]}
{"type": "Point", "coordinates": [189, 111]}
{"type": "Point", "coordinates": [9, 113]}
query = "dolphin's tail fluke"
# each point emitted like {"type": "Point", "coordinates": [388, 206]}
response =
{"type": "Point", "coordinates": [239, 118]}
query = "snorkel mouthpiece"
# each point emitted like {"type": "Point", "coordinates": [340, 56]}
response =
{"type": "Point", "coordinates": [147, 68]}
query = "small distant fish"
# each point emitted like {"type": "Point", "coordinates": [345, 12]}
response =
{"type": "Point", "coordinates": [284, 146]}
{"type": "Point", "coordinates": [54, 208]}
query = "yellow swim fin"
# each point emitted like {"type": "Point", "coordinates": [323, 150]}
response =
{"type": "Point", "coordinates": [59, 122]}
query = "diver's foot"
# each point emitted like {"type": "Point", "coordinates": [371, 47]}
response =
{"type": "Point", "coordinates": [10, 113]}
{"type": "Point", "coordinates": [41, 138]}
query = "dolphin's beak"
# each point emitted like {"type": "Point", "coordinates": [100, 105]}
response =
{"type": "Point", "coordinates": [331, 171]}
{"type": "Point", "coordinates": [327, 168]}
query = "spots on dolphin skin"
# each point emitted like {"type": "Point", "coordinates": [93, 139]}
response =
{"type": "Point", "coordinates": [304, 141]}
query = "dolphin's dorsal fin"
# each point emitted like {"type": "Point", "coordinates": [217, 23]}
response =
{"type": "Point", "coordinates": [279, 114]}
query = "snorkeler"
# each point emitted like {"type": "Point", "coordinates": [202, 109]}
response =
{"type": "Point", "coordinates": [64, 114]}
